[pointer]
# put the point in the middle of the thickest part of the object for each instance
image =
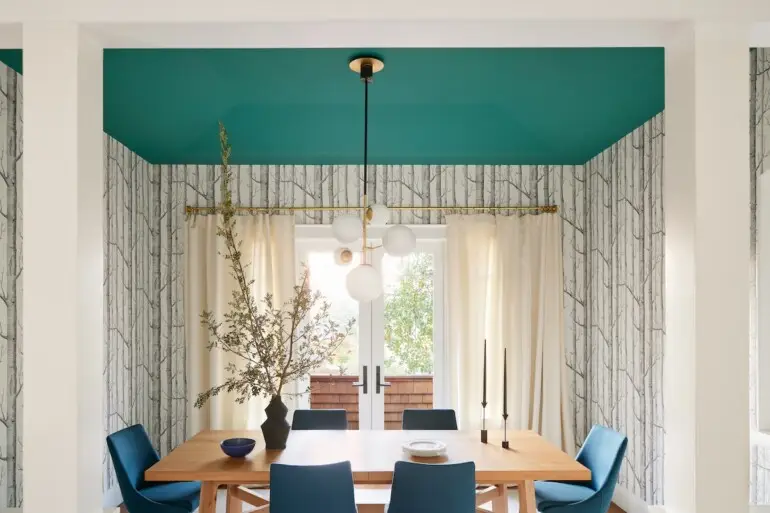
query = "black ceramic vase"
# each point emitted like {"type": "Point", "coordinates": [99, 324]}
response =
{"type": "Point", "coordinates": [275, 429]}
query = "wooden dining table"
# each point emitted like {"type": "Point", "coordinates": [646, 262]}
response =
{"type": "Point", "coordinates": [372, 455]}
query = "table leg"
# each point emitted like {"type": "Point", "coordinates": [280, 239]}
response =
{"type": "Point", "coordinates": [370, 508]}
{"type": "Point", "coordinates": [234, 503]}
{"type": "Point", "coordinates": [527, 502]}
{"type": "Point", "coordinates": [208, 497]}
{"type": "Point", "coordinates": [500, 503]}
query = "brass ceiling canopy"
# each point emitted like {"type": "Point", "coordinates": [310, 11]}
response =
{"type": "Point", "coordinates": [366, 66]}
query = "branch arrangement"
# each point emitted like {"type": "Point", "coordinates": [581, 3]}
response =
{"type": "Point", "coordinates": [275, 343]}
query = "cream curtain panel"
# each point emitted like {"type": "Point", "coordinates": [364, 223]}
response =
{"type": "Point", "coordinates": [505, 285]}
{"type": "Point", "coordinates": [268, 249]}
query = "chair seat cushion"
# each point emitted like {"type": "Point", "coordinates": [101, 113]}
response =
{"type": "Point", "coordinates": [184, 495]}
{"type": "Point", "coordinates": [549, 494]}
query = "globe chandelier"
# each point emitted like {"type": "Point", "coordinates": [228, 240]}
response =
{"type": "Point", "coordinates": [364, 282]}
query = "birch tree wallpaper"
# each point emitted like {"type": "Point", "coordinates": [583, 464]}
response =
{"type": "Point", "coordinates": [759, 152]}
{"type": "Point", "coordinates": [11, 275]}
{"type": "Point", "coordinates": [623, 363]}
{"type": "Point", "coordinates": [127, 291]}
{"type": "Point", "coordinates": [144, 364]}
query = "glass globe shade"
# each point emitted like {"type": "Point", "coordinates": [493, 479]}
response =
{"type": "Point", "coordinates": [347, 228]}
{"type": "Point", "coordinates": [380, 215]}
{"type": "Point", "coordinates": [364, 283]}
{"type": "Point", "coordinates": [399, 241]}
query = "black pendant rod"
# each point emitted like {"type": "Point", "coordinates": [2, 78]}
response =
{"type": "Point", "coordinates": [366, 130]}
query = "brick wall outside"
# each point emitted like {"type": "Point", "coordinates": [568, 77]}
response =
{"type": "Point", "coordinates": [331, 392]}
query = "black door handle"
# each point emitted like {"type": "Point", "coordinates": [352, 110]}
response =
{"type": "Point", "coordinates": [364, 382]}
{"type": "Point", "coordinates": [379, 383]}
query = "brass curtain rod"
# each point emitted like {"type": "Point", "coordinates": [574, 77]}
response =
{"type": "Point", "coordinates": [546, 209]}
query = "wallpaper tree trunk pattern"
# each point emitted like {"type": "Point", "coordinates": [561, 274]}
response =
{"type": "Point", "coordinates": [625, 322]}
{"type": "Point", "coordinates": [759, 125]}
{"type": "Point", "coordinates": [126, 291]}
{"type": "Point", "coordinates": [11, 150]}
{"type": "Point", "coordinates": [144, 366]}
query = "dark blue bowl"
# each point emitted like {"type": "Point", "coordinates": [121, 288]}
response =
{"type": "Point", "coordinates": [237, 447]}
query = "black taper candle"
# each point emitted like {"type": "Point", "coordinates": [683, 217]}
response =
{"type": "Point", "coordinates": [505, 383]}
{"type": "Point", "coordinates": [505, 398]}
{"type": "Point", "coordinates": [484, 397]}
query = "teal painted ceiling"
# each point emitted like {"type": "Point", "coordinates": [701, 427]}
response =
{"type": "Point", "coordinates": [12, 59]}
{"type": "Point", "coordinates": [429, 106]}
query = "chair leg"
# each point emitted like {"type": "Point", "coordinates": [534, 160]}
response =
{"type": "Point", "coordinates": [371, 508]}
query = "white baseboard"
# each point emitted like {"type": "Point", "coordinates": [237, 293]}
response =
{"type": "Point", "coordinates": [629, 502]}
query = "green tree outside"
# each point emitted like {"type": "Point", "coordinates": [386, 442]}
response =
{"type": "Point", "coordinates": [409, 318]}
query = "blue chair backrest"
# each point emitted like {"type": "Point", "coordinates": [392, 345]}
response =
{"type": "Point", "coordinates": [429, 419]}
{"type": "Point", "coordinates": [310, 489]}
{"type": "Point", "coordinates": [132, 453]}
{"type": "Point", "coordinates": [602, 453]}
{"type": "Point", "coordinates": [423, 488]}
{"type": "Point", "coordinates": [319, 419]}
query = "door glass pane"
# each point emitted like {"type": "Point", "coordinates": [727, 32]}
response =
{"type": "Point", "coordinates": [408, 321]}
{"type": "Point", "coordinates": [331, 385]}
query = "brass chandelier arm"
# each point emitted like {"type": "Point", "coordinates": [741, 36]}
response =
{"type": "Point", "coordinates": [544, 209]}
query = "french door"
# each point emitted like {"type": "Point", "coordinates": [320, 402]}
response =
{"type": "Point", "coordinates": [394, 357]}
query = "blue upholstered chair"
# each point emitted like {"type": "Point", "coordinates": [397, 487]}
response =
{"type": "Point", "coordinates": [602, 453]}
{"type": "Point", "coordinates": [132, 454]}
{"type": "Point", "coordinates": [449, 488]}
{"type": "Point", "coordinates": [304, 420]}
{"type": "Point", "coordinates": [310, 489]}
{"type": "Point", "coordinates": [429, 419]}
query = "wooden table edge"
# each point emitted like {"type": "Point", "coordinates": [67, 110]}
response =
{"type": "Point", "coordinates": [383, 477]}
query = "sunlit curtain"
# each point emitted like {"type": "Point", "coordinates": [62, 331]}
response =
{"type": "Point", "coordinates": [268, 254]}
{"type": "Point", "coordinates": [469, 248]}
{"type": "Point", "coordinates": [505, 285]}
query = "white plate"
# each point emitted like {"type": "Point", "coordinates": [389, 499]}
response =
{"type": "Point", "coordinates": [424, 448]}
